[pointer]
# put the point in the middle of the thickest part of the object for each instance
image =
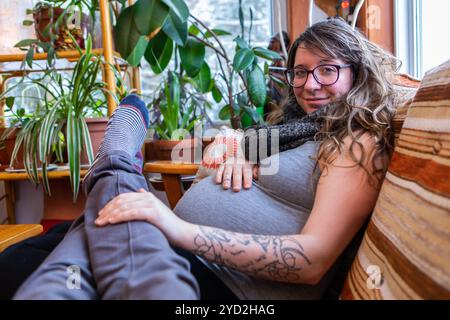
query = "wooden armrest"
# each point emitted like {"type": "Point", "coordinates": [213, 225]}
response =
{"type": "Point", "coordinates": [11, 234]}
{"type": "Point", "coordinates": [170, 173]}
{"type": "Point", "coordinates": [169, 167]}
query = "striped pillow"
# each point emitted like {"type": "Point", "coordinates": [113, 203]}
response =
{"type": "Point", "coordinates": [405, 252]}
{"type": "Point", "coordinates": [405, 88]}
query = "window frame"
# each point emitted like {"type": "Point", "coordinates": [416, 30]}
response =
{"type": "Point", "coordinates": [408, 16]}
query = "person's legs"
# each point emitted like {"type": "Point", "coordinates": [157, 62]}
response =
{"type": "Point", "coordinates": [65, 274]}
{"type": "Point", "coordinates": [131, 260]}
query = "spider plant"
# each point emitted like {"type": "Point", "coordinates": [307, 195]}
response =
{"type": "Point", "coordinates": [67, 102]}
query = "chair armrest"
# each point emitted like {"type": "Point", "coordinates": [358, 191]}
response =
{"type": "Point", "coordinates": [170, 173]}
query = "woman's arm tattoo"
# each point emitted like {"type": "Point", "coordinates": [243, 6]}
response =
{"type": "Point", "coordinates": [277, 258]}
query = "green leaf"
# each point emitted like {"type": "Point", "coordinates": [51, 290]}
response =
{"type": "Point", "coordinates": [241, 17]}
{"type": "Point", "coordinates": [176, 29]}
{"type": "Point", "coordinates": [10, 102]}
{"type": "Point", "coordinates": [27, 22]}
{"type": "Point", "coordinates": [224, 113]}
{"type": "Point", "coordinates": [138, 52]}
{"type": "Point", "coordinates": [243, 59]}
{"type": "Point", "coordinates": [50, 55]}
{"type": "Point", "coordinates": [241, 43]}
{"type": "Point", "coordinates": [266, 53]}
{"type": "Point", "coordinates": [257, 87]}
{"type": "Point", "coordinates": [192, 56]}
{"type": "Point", "coordinates": [29, 57]}
{"type": "Point", "coordinates": [86, 139]}
{"type": "Point", "coordinates": [73, 153]}
{"type": "Point", "coordinates": [194, 30]}
{"type": "Point", "coordinates": [159, 52]}
{"type": "Point", "coordinates": [25, 43]}
{"type": "Point", "coordinates": [126, 34]}
{"type": "Point", "coordinates": [217, 32]}
{"type": "Point", "coordinates": [179, 8]}
{"type": "Point", "coordinates": [149, 16]}
{"type": "Point", "coordinates": [203, 78]}
{"type": "Point", "coordinates": [217, 95]}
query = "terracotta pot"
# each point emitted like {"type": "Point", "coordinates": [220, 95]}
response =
{"type": "Point", "coordinates": [162, 150]}
{"type": "Point", "coordinates": [97, 128]}
{"type": "Point", "coordinates": [43, 17]}
{"type": "Point", "coordinates": [10, 142]}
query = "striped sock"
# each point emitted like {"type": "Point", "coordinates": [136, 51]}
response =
{"type": "Point", "coordinates": [126, 129]}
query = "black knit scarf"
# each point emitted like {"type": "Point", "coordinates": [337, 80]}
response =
{"type": "Point", "coordinates": [296, 128]}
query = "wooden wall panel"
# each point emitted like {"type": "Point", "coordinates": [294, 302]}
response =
{"type": "Point", "coordinates": [376, 19]}
{"type": "Point", "coordinates": [298, 11]}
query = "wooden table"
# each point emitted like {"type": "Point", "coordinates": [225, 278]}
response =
{"type": "Point", "coordinates": [9, 177]}
{"type": "Point", "coordinates": [171, 173]}
{"type": "Point", "coordinates": [10, 235]}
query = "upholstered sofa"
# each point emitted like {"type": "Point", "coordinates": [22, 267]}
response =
{"type": "Point", "coordinates": [405, 251]}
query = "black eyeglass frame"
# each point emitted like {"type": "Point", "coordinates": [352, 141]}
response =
{"type": "Point", "coordinates": [337, 66]}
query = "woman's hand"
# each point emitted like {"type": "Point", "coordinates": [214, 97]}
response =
{"type": "Point", "coordinates": [142, 206]}
{"type": "Point", "coordinates": [238, 173]}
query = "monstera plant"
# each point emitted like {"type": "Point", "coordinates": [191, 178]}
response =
{"type": "Point", "coordinates": [160, 30]}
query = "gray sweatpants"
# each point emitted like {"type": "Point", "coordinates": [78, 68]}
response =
{"type": "Point", "coordinates": [131, 260]}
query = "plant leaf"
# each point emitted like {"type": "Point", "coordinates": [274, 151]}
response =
{"type": "Point", "coordinates": [266, 53]}
{"type": "Point", "coordinates": [149, 16]}
{"type": "Point", "coordinates": [73, 153]}
{"type": "Point", "coordinates": [25, 43]}
{"type": "Point", "coordinates": [29, 57]}
{"type": "Point", "coordinates": [203, 78]}
{"type": "Point", "coordinates": [241, 43]}
{"type": "Point", "coordinates": [243, 59]}
{"type": "Point", "coordinates": [138, 52]}
{"type": "Point", "coordinates": [224, 113]}
{"type": "Point", "coordinates": [176, 29]}
{"type": "Point", "coordinates": [217, 95]}
{"type": "Point", "coordinates": [10, 102]}
{"type": "Point", "coordinates": [86, 139]}
{"type": "Point", "coordinates": [194, 30]}
{"type": "Point", "coordinates": [179, 8]}
{"type": "Point", "coordinates": [192, 56]}
{"type": "Point", "coordinates": [217, 32]}
{"type": "Point", "coordinates": [257, 86]}
{"type": "Point", "coordinates": [159, 52]}
{"type": "Point", "coordinates": [126, 34]}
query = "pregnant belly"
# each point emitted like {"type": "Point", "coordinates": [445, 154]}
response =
{"type": "Point", "coordinates": [247, 211]}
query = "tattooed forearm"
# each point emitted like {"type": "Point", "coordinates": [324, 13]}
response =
{"type": "Point", "coordinates": [279, 258]}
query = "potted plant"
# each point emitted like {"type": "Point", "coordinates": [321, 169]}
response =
{"type": "Point", "coordinates": [59, 25]}
{"type": "Point", "coordinates": [63, 119]}
{"type": "Point", "coordinates": [177, 106]}
{"type": "Point", "coordinates": [157, 30]}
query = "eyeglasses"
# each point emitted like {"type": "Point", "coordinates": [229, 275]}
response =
{"type": "Point", "coordinates": [325, 74]}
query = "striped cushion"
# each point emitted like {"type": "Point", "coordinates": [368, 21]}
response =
{"type": "Point", "coordinates": [405, 252]}
{"type": "Point", "coordinates": [405, 88]}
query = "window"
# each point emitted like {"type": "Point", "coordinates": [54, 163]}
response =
{"type": "Point", "coordinates": [421, 40]}
{"type": "Point", "coordinates": [222, 14]}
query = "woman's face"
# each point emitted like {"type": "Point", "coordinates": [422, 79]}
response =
{"type": "Point", "coordinates": [313, 95]}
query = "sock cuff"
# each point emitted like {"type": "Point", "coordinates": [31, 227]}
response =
{"type": "Point", "coordinates": [137, 110]}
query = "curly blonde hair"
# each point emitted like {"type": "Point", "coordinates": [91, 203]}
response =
{"type": "Point", "coordinates": [367, 108]}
